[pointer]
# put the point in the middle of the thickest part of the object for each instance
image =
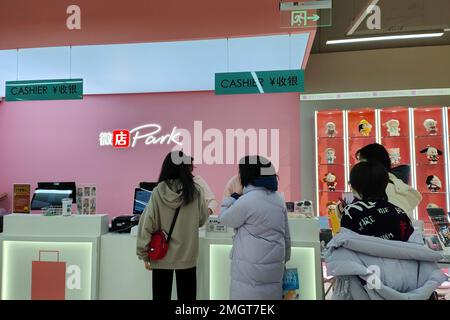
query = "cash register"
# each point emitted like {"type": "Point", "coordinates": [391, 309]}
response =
{"type": "Point", "coordinates": [123, 224]}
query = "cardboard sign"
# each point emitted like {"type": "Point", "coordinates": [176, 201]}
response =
{"type": "Point", "coordinates": [21, 198]}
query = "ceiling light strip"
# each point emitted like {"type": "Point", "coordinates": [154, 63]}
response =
{"type": "Point", "coordinates": [386, 38]}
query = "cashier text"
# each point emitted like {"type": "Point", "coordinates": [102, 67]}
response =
{"type": "Point", "coordinates": [210, 146]}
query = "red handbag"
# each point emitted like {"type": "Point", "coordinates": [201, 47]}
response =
{"type": "Point", "coordinates": [159, 243]}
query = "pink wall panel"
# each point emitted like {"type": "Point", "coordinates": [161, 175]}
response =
{"type": "Point", "coordinates": [58, 140]}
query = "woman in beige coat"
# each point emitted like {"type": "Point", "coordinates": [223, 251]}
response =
{"type": "Point", "coordinates": [176, 188]}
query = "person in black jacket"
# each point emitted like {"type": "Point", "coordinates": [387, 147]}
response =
{"type": "Point", "coordinates": [370, 213]}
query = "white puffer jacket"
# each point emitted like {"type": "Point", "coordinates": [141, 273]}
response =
{"type": "Point", "coordinates": [394, 270]}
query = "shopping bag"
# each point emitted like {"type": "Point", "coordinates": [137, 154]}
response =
{"type": "Point", "coordinates": [291, 285]}
{"type": "Point", "coordinates": [48, 279]}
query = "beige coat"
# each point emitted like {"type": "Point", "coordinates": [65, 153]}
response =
{"type": "Point", "coordinates": [183, 247]}
{"type": "Point", "coordinates": [402, 195]}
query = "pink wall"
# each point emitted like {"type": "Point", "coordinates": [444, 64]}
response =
{"type": "Point", "coordinates": [58, 140]}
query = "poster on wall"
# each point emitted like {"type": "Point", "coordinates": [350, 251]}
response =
{"type": "Point", "coordinates": [21, 198]}
{"type": "Point", "coordinates": [87, 199]}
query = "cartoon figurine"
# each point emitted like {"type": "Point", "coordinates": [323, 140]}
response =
{"type": "Point", "coordinates": [431, 126]}
{"type": "Point", "coordinates": [394, 155]}
{"type": "Point", "coordinates": [393, 127]}
{"type": "Point", "coordinates": [331, 181]}
{"type": "Point", "coordinates": [331, 130]}
{"type": "Point", "coordinates": [432, 154]}
{"type": "Point", "coordinates": [365, 128]}
{"type": "Point", "coordinates": [434, 184]}
{"type": "Point", "coordinates": [330, 155]}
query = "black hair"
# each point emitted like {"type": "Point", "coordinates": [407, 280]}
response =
{"type": "Point", "coordinates": [429, 178]}
{"type": "Point", "coordinates": [175, 166]}
{"type": "Point", "coordinates": [370, 180]}
{"type": "Point", "coordinates": [252, 167]}
{"type": "Point", "coordinates": [375, 153]}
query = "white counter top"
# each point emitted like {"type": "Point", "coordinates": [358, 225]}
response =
{"type": "Point", "coordinates": [39, 225]}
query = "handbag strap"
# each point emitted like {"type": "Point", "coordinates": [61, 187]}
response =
{"type": "Point", "coordinates": [177, 211]}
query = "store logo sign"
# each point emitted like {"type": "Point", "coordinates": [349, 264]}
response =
{"type": "Point", "coordinates": [149, 133]}
{"type": "Point", "coordinates": [211, 146]}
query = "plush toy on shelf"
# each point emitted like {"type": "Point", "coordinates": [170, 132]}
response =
{"type": "Point", "coordinates": [432, 153]}
{"type": "Point", "coordinates": [395, 156]}
{"type": "Point", "coordinates": [365, 128]}
{"type": "Point", "coordinates": [434, 184]}
{"type": "Point", "coordinates": [330, 155]}
{"type": "Point", "coordinates": [331, 130]}
{"type": "Point", "coordinates": [331, 181]}
{"type": "Point", "coordinates": [431, 126]}
{"type": "Point", "coordinates": [393, 127]}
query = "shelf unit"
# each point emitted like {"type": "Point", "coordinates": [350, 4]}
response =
{"type": "Point", "coordinates": [404, 145]}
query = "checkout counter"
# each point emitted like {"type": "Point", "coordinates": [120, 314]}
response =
{"type": "Point", "coordinates": [42, 255]}
{"type": "Point", "coordinates": [95, 264]}
{"type": "Point", "coordinates": [213, 269]}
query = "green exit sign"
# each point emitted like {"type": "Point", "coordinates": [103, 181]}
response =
{"type": "Point", "coordinates": [260, 82]}
{"type": "Point", "coordinates": [61, 89]}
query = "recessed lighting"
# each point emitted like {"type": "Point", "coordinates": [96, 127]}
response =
{"type": "Point", "coordinates": [387, 38]}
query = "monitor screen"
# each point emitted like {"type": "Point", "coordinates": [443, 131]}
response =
{"type": "Point", "coordinates": [44, 198]}
{"type": "Point", "coordinates": [60, 186]}
{"type": "Point", "coordinates": [148, 185]}
{"type": "Point", "coordinates": [141, 199]}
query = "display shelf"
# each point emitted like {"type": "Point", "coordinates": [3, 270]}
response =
{"type": "Point", "coordinates": [361, 138]}
{"type": "Point", "coordinates": [330, 138]}
{"type": "Point", "coordinates": [433, 193]}
{"type": "Point", "coordinates": [405, 132]}
{"type": "Point", "coordinates": [394, 137]}
{"type": "Point", "coordinates": [429, 136]}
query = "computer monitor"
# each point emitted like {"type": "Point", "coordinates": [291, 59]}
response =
{"type": "Point", "coordinates": [141, 199]}
{"type": "Point", "coordinates": [45, 198]}
{"type": "Point", "coordinates": [148, 185]}
{"type": "Point", "coordinates": [60, 186]}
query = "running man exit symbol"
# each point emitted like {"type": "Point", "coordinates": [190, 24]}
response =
{"type": "Point", "coordinates": [301, 18]}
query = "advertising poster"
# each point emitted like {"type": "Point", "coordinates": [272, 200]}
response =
{"type": "Point", "coordinates": [21, 198]}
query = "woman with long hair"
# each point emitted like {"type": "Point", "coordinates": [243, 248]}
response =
{"type": "Point", "coordinates": [176, 189]}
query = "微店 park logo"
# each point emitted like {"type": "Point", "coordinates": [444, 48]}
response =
{"type": "Point", "coordinates": [210, 146]}
{"type": "Point", "coordinates": [123, 138]}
